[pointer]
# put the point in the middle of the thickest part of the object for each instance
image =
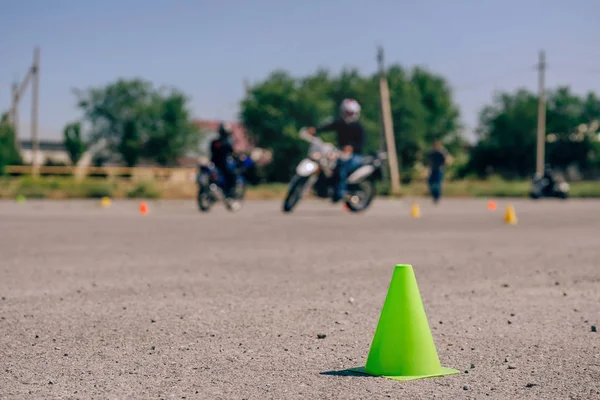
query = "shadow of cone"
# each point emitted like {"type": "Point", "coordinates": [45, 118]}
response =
{"type": "Point", "coordinates": [143, 208]}
{"type": "Point", "coordinates": [510, 217]}
{"type": "Point", "coordinates": [403, 347]}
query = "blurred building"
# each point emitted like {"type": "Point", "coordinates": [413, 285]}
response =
{"type": "Point", "coordinates": [51, 151]}
{"type": "Point", "coordinates": [54, 152]}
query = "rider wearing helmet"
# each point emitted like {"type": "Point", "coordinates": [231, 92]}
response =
{"type": "Point", "coordinates": [221, 150]}
{"type": "Point", "coordinates": [351, 139]}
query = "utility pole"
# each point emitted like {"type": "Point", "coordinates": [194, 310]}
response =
{"type": "Point", "coordinates": [35, 143]}
{"type": "Point", "coordinates": [388, 124]}
{"type": "Point", "coordinates": [541, 124]}
{"type": "Point", "coordinates": [14, 111]}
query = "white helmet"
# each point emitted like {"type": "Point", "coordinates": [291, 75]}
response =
{"type": "Point", "coordinates": [350, 110]}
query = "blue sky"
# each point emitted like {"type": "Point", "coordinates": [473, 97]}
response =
{"type": "Point", "coordinates": [208, 48]}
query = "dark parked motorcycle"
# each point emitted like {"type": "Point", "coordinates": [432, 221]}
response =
{"type": "Point", "coordinates": [211, 183]}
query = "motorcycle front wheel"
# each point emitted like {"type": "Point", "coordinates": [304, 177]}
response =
{"type": "Point", "coordinates": [360, 196]}
{"type": "Point", "coordinates": [234, 202]}
{"type": "Point", "coordinates": [294, 193]}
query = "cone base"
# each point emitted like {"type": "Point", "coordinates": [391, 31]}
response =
{"type": "Point", "coordinates": [443, 372]}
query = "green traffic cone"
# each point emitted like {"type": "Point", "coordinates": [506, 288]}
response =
{"type": "Point", "coordinates": [403, 348]}
{"type": "Point", "coordinates": [20, 198]}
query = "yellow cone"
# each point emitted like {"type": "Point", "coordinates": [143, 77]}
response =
{"type": "Point", "coordinates": [415, 211]}
{"type": "Point", "coordinates": [105, 202]}
{"type": "Point", "coordinates": [403, 347]}
{"type": "Point", "coordinates": [510, 217]}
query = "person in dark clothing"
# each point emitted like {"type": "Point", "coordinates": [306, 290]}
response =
{"type": "Point", "coordinates": [221, 150]}
{"type": "Point", "coordinates": [549, 176]}
{"type": "Point", "coordinates": [437, 161]}
{"type": "Point", "coordinates": [351, 139]}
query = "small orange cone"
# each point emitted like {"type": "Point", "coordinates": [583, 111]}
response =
{"type": "Point", "coordinates": [143, 208]}
{"type": "Point", "coordinates": [491, 205]}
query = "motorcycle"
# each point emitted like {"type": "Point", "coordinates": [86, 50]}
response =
{"type": "Point", "coordinates": [541, 187]}
{"type": "Point", "coordinates": [211, 183]}
{"type": "Point", "coordinates": [317, 173]}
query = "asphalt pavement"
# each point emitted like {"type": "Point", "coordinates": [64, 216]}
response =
{"type": "Point", "coordinates": [106, 303]}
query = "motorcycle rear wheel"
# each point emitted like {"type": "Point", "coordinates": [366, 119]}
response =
{"type": "Point", "coordinates": [366, 190]}
{"type": "Point", "coordinates": [204, 199]}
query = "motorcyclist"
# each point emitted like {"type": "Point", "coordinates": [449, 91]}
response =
{"type": "Point", "coordinates": [351, 139]}
{"type": "Point", "coordinates": [221, 150]}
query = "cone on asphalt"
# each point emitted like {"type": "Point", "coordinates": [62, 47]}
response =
{"type": "Point", "coordinates": [143, 208]}
{"type": "Point", "coordinates": [20, 199]}
{"type": "Point", "coordinates": [105, 202]}
{"type": "Point", "coordinates": [491, 205]}
{"type": "Point", "coordinates": [415, 210]}
{"type": "Point", "coordinates": [510, 217]}
{"type": "Point", "coordinates": [403, 347]}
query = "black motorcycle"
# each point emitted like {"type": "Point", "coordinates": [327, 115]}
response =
{"type": "Point", "coordinates": [211, 183]}
{"type": "Point", "coordinates": [542, 186]}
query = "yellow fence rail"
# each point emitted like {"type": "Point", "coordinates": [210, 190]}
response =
{"type": "Point", "coordinates": [134, 173]}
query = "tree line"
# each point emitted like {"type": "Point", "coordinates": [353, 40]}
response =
{"type": "Point", "coordinates": [423, 109]}
{"type": "Point", "coordinates": [136, 122]}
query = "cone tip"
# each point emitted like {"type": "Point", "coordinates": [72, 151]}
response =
{"type": "Point", "coordinates": [399, 266]}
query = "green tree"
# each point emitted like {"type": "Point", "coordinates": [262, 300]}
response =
{"type": "Point", "coordinates": [271, 113]}
{"type": "Point", "coordinates": [136, 120]}
{"type": "Point", "coordinates": [568, 117]}
{"type": "Point", "coordinates": [9, 155]}
{"type": "Point", "coordinates": [73, 141]}
{"type": "Point", "coordinates": [281, 104]}
{"type": "Point", "coordinates": [171, 132]}
{"type": "Point", "coordinates": [507, 133]}
{"type": "Point", "coordinates": [130, 147]}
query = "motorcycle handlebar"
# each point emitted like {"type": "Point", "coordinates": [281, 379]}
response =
{"type": "Point", "coordinates": [305, 135]}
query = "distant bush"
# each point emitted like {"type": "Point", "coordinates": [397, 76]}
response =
{"type": "Point", "coordinates": [96, 190]}
{"type": "Point", "coordinates": [144, 190]}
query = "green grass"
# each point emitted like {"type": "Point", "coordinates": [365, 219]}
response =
{"type": "Point", "coordinates": [145, 190]}
{"type": "Point", "coordinates": [67, 187]}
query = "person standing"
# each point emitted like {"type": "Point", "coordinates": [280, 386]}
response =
{"type": "Point", "coordinates": [438, 158]}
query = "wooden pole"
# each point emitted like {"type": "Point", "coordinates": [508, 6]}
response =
{"type": "Point", "coordinates": [14, 111]}
{"type": "Point", "coordinates": [388, 125]}
{"type": "Point", "coordinates": [541, 124]}
{"type": "Point", "coordinates": [35, 143]}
